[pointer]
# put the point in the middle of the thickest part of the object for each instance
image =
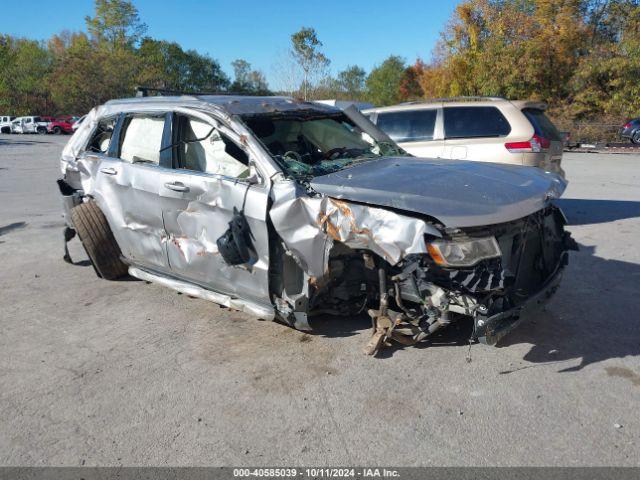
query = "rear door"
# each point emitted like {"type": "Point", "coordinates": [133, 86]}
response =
{"type": "Point", "coordinates": [417, 131]}
{"type": "Point", "coordinates": [128, 181]}
{"type": "Point", "coordinates": [208, 181]}
{"type": "Point", "coordinates": [475, 133]}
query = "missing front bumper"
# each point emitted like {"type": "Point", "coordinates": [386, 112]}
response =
{"type": "Point", "coordinates": [490, 329]}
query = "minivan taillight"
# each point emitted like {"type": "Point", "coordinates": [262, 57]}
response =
{"type": "Point", "coordinates": [627, 125]}
{"type": "Point", "coordinates": [535, 145]}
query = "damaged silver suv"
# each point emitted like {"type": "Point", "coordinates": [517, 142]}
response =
{"type": "Point", "coordinates": [286, 209]}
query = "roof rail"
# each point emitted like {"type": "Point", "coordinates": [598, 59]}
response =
{"type": "Point", "coordinates": [474, 98]}
{"type": "Point", "coordinates": [150, 91]}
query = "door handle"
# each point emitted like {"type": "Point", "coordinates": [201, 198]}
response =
{"type": "Point", "coordinates": [176, 186]}
{"type": "Point", "coordinates": [109, 171]}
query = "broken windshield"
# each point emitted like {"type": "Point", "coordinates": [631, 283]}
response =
{"type": "Point", "coordinates": [310, 144]}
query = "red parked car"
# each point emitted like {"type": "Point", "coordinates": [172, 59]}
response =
{"type": "Point", "coordinates": [61, 125]}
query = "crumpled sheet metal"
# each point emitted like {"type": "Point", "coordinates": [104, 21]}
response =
{"type": "Point", "coordinates": [178, 228]}
{"type": "Point", "coordinates": [195, 225]}
{"type": "Point", "coordinates": [265, 313]}
{"type": "Point", "coordinates": [78, 140]}
{"type": "Point", "coordinates": [309, 226]}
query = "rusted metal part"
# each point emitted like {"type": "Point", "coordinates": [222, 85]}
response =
{"type": "Point", "coordinates": [392, 326]}
{"type": "Point", "coordinates": [382, 326]}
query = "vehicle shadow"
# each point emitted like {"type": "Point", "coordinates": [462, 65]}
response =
{"type": "Point", "coordinates": [11, 141]}
{"type": "Point", "coordinates": [11, 227]}
{"type": "Point", "coordinates": [593, 317]}
{"type": "Point", "coordinates": [338, 326]}
{"type": "Point", "coordinates": [581, 211]}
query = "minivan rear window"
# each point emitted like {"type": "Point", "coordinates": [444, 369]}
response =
{"type": "Point", "coordinates": [542, 126]}
{"type": "Point", "coordinates": [467, 122]}
{"type": "Point", "coordinates": [408, 125]}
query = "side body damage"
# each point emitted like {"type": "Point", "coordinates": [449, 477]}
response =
{"type": "Point", "coordinates": [385, 236]}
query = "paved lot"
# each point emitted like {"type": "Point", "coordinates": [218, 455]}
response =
{"type": "Point", "coordinates": [110, 373]}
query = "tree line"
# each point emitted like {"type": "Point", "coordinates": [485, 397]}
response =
{"type": "Point", "coordinates": [580, 56]}
{"type": "Point", "coordinates": [75, 71]}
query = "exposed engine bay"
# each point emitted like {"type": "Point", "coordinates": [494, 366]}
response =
{"type": "Point", "coordinates": [423, 293]}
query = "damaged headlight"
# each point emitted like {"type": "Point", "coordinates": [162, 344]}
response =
{"type": "Point", "coordinates": [463, 253]}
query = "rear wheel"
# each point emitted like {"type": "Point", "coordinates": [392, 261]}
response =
{"type": "Point", "coordinates": [635, 138]}
{"type": "Point", "coordinates": [57, 130]}
{"type": "Point", "coordinates": [98, 241]}
{"type": "Point", "coordinates": [42, 130]}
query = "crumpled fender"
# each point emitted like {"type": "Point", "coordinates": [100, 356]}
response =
{"type": "Point", "coordinates": [309, 226]}
{"type": "Point", "coordinates": [78, 140]}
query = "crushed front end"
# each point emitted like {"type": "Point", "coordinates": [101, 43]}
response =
{"type": "Point", "coordinates": [495, 275]}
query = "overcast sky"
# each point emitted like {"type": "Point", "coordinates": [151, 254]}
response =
{"type": "Point", "coordinates": [353, 32]}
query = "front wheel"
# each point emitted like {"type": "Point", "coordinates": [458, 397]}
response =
{"type": "Point", "coordinates": [57, 130]}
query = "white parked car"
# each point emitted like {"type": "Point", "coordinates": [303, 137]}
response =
{"type": "Point", "coordinates": [29, 125]}
{"type": "Point", "coordinates": [486, 129]}
{"type": "Point", "coordinates": [5, 123]}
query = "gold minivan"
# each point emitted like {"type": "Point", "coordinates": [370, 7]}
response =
{"type": "Point", "coordinates": [486, 129]}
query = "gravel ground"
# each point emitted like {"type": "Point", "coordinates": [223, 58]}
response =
{"type": "Point", "coordinates": [126, 373]}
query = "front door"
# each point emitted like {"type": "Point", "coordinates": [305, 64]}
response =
{"type": "Point", "coordinates": [198, 201]}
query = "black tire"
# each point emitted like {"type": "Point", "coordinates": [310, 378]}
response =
{"type": "Point", "coordinates": [41, 130]}
{"type": "Point", "coordinates": [98, 241]}
{"type": "Point", "coordinates": [57, 130]}
{"type": "Point", "coordinates": [635, 138]}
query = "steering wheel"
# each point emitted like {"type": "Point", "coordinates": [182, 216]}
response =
{"type": "Point", "coordinates": [291, 154]}
{"type": "Point", "coordinates": [329, 154]}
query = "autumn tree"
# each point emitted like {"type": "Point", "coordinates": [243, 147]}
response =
{"type": "Point", "coordinates": [410, 88]}
{"type": "Point", "coordinates": [512, 48]}
{"type": "Point", "coordinates": [581, 56]}
{"type": "Point", "coordinates": [606, 79]}
{"type": "Point", "coordinates": [91, 69]}
{"type": "Point", "coordinates": [85, 75]}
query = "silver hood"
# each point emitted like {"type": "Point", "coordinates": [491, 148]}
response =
{"type": "Point", "coordinates": [457, 193]}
